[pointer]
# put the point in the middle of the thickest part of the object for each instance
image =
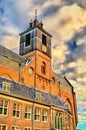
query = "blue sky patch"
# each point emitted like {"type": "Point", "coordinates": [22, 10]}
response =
{"type": "Point", "coordinates": [72, 45]}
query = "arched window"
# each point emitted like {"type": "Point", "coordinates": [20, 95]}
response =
{"type": "Point", "coordinates": [43, 68]}
{"type": "Point", "coordinates": [69, 104]}
{"type": "Point", "coordinates": [53, 80]}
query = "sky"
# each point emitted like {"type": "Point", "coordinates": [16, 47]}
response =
{"type": "Point", "coordinates": [66, 21]}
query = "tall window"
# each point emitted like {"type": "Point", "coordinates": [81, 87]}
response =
{"type": "Point", "coordinates": [27, 40]}
{"type": "Point", "coordinates": [3, 127]}
{"type": "Point", "coordinates": [44, 115]}
{"type": "Point", "coordinates": [37, 114]}
{"type": "Point", "coordinates": [3, 107]}
{"type": "Point", "coordinates": [16, 110]}
{"type": "Point", "coordinates": [28, 111]}
{"type": "Point", "coordinates": [44, 39]}
{"type": "Point", "coordinates": [15, 128]}
{"type": "Point", "coordinates": [43, 68]}
{"type": "Point", "coordinates": [58, 121]}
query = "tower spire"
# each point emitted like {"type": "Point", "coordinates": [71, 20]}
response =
{"type": "Point", "coordinates": [36, 13]}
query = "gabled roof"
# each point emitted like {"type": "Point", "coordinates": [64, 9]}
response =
{"type": "Point", "coordinates": [63, 80]}
{"type": "Point", "coordinates": [11, 55]}
{"type": "Point", "coordinates": [24, 91]}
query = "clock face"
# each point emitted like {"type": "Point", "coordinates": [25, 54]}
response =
{"type": "Point", "coordinates": [31, 70]}
{"type": "Point", "coordinates": [44, 48]}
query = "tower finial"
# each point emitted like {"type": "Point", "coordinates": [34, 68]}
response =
{"type": "Point", "coordinates": [36, 13]}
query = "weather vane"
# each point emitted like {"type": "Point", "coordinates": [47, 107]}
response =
{"type": "Point", "coordinates": [36, 13]}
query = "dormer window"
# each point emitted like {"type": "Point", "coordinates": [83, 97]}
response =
{"type": "Point", "coordinates": [43, 68]}
{"type": "Point", "coordinates": [5, 86]}
{"type": "Point", "coordinates": [44, 39]}
{"type": "Point", "coordinates": [27, 40]}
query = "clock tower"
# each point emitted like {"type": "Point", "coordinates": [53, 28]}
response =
{"type": "Point", "coordinates": [35, 38]}
{"type": "Point", "coordinates": [35, 46]}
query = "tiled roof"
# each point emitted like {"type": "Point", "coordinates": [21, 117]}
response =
{"type": "Point", "coordinates": [63, 80]}
{"type": "Point", "coordinates": [24, 91]}
{"type": "Point", "coordinates": [10, 54]}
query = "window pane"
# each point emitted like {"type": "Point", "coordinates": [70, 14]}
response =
{"type": "Point", "coordinates": [0, 86]}
{"type": "Point", "coordinates": [8, 88]}
{"type": "Point", "coordinates": [1, 102]}
{"type": "Point", "coordinates": [14, 112]}
{"type": "Point", "coordinates": [44, 39]}
{"type": "Point", "coordinates": [17, 113]}
{"type": "Point", "coordinates": [14, 106]}
{"type": "Point", "coordinates": [4, 128]}
{"type": "Point", "coordinates": [13, 128]}
{"type": "Point", "coordinates": [18, 107]}
{"type": "Point", "coordinates": [27, 40]}
{"type": "Point", "coordinates": [1, 110]}
{"type": "Point", "coordinates": [5, 111]}
{"type": "Point", "coordinates": [6, 104]}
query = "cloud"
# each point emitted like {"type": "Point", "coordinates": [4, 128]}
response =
{"type": "Point", "coordinates": [82, 3]}
{"type": "Point", "coordinates": [68, 2]}
{"type": "Point", "coordinates": [38, 2]}
{"type": "Point", "coordinates": [49, 11]}
{"type": "Point", "coordinates": [11, 42]}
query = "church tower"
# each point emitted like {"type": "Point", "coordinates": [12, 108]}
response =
{"type": "Point", "coordinates": [35, 38]}
{"type": "Point", "coordinates": [35, 42]}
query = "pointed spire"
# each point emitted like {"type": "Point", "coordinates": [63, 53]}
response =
{"type": "Point", "coordinates": [36, 13]}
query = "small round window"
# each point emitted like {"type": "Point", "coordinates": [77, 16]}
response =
{"type": "Point", "coordinates": [53, 80]}
{"type": "Point", "coordinates": [31, 70]}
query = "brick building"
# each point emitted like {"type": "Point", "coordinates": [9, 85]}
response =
{"type": "Point", "coordinates": [32, 96]}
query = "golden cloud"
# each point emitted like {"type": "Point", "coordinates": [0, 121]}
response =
{"type": "Point", "coordinates": [73, 18]}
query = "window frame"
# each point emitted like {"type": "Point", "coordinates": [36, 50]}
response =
{"type": "Point", "coordinates": [45, 115]}
{"type": "Point", "coordinates": [5, 86]}
{"type": "Point", "coordinates": [16, 110]}
{"type": "Point", "coordinates": [28, 40]}
{"type": "Point", "coordinates": [37, 114]}
{"type": "Point", "coordinates": [27, 128]}
{"type": "Point", "coordinates": [3, 125]}
{"type": "Point", "coordinates": [44, 39]}
{"type": "Point", "coordinates": [28, 113]}
{"type": "Point", "coordinates": [43, 67]}
{"type": "Point", "coordinates": [15, 127]}
{"type": "Point", "coordinates": [58, 120]}
{"type": "Point", "coordinates": [4, 108]}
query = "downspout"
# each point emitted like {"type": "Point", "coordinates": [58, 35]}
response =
{"type": "Point", "coordinates": [19, 71]}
